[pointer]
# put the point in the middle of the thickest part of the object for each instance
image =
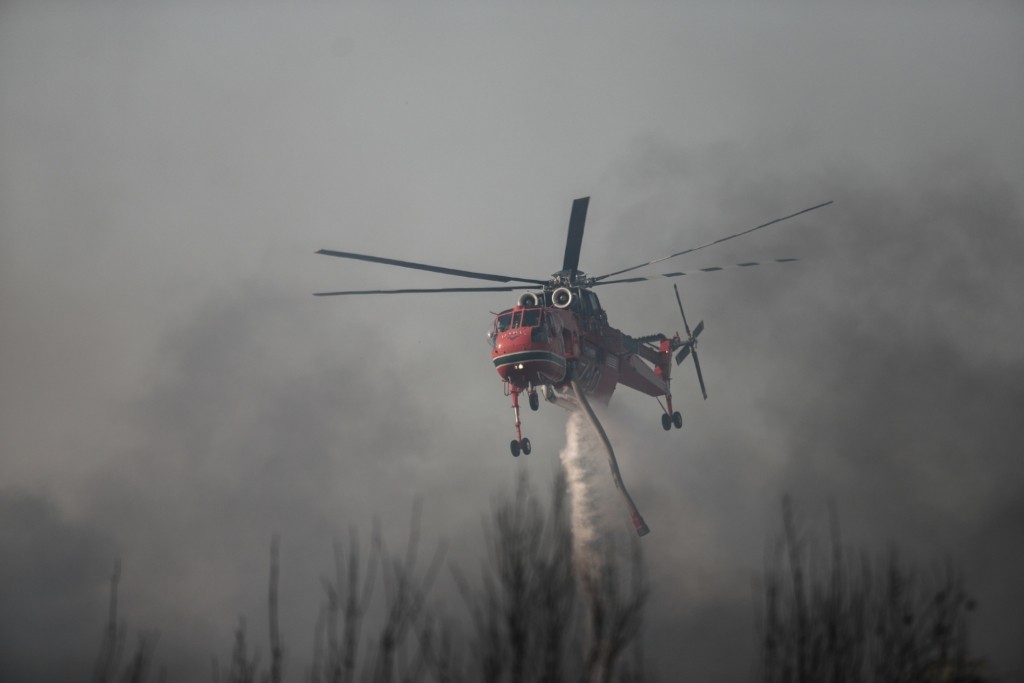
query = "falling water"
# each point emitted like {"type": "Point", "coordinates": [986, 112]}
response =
{"type": "Point", "coordinates": [581, 462]}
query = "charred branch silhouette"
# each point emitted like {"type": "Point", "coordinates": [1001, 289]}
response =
{"type": "Point", "coordinates": [108, 666]}
{"type": "Point", "coordinates": [858, 620]}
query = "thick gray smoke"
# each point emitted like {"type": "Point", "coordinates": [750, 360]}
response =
{"type": "Point", "coordinates": [172, 395]}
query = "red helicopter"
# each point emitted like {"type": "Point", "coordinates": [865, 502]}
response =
{"type": "Point", "coordinates": [556, 341]}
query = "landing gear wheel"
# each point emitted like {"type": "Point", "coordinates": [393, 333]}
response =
{"type": "Point", "coordinates": [534, 400]}
{"type": "Point", "coordinates": [677, 419]}
{"type": "Point", "coordinates": [526, 446]}
{"type": "Point", "coordinates": [514, 446]}
{"type": "Point", "coordinates": [666, 421]}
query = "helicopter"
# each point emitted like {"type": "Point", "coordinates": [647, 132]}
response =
{"type": "Point", "coordinates": [556, 341]}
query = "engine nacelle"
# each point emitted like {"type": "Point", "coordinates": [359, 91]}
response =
{"type": "Point", "coordinates": [529, 299]}
{"type": "Point", "coordinates": [561, 297]}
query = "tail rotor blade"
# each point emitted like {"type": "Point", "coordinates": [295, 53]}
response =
{"type": "Point", "coordinates": [683, 353]}
{"type": "Point", "coordinates": [690, 345]}
{"type": "Point", "coordinates": [680, 302]}
{"type": "Point", "coordinates": [700, 375]}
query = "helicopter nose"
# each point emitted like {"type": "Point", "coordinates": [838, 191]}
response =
{"type": "Point", "coordinates": [523, 361]}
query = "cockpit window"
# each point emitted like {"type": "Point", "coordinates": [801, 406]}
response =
{"type": "Point", "coordinates": [531, 317]}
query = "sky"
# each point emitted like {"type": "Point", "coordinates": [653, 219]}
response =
{"type": "Point", "coordinates": [172, 396]}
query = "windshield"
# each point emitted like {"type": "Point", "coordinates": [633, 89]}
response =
{"type": "Point", "coordinates": [531, 317]}
{"type": "Point", "coordinates": [504, 321]}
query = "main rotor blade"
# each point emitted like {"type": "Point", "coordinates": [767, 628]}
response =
{"type": "Point", "coordinates": [510, 288]}
{"type": "Point", "coordinates": [574, 241]}
{"type": "Point", "coordinates": [433, 269]}
{"type": "Point", "coordinates": [712, 269]}
{"type": "Point", "coordinates": [709, 244]}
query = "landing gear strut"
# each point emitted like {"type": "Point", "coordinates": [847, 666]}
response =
{"type": "Point", "coordinates": [521, 444]}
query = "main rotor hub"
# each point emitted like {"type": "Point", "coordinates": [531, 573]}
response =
{"type": "Point", "coordinates": [568, 278]}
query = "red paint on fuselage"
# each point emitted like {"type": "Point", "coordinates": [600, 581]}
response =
{"type": "Point", "coordinates": [547, 345]}
{"type": "Point", "coordinates": [533, 345]}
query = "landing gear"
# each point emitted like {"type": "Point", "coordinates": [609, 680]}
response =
{"type": "Point", "coordinates": [521, 444]}
{"type": "Point", "coordinates": [518, 447]}
{"type": "Point", "coordinates": [670, 417]}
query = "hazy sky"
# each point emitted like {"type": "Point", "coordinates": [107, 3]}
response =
{"type": "Point", "coordinates": [172, 395]}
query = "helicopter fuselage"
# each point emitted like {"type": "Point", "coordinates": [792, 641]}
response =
{"type": "Point", "coordinates": [536, 346]}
